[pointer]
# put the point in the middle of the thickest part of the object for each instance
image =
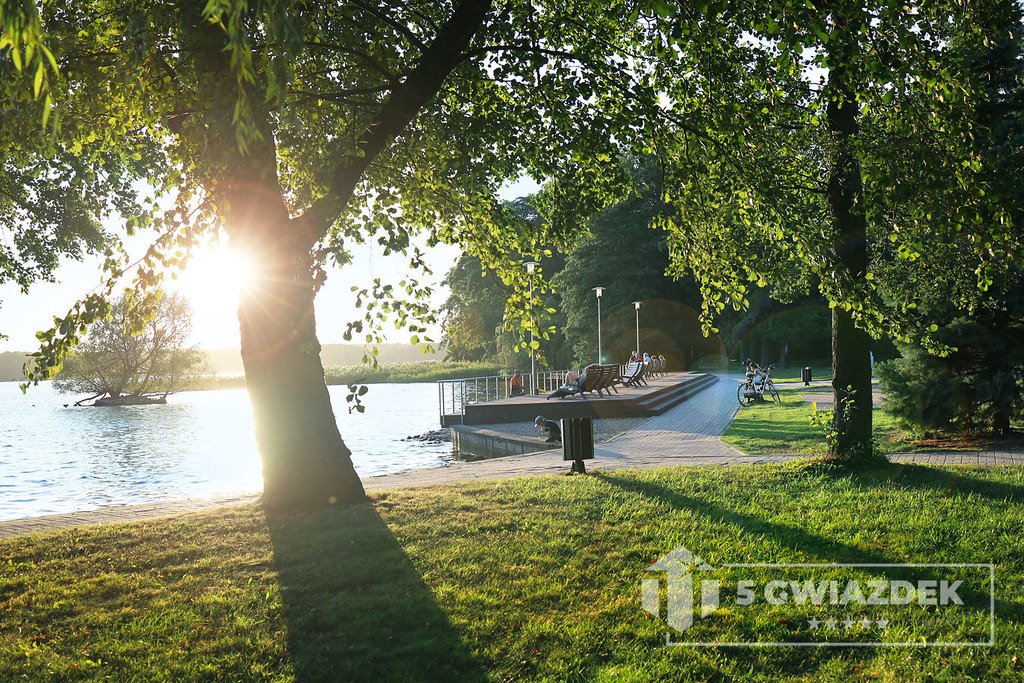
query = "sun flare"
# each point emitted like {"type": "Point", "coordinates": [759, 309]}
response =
{"type": "Point", "coordinates": [213, 281]}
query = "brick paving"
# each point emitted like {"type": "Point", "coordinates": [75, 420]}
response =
{"type": "Point", "coordinates": [688, 434]}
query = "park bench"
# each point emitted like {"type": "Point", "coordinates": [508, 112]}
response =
{"type": "Point", "coordinates": [600, 378]}
{"type": "Point", "coordinates": [596, 378]}
{"type": "Point", "coordinates": [631, 375]}
{"type": "Point", "coordinates": [646, 373]}
{"type": "Point", "coordinates": [612, 376]}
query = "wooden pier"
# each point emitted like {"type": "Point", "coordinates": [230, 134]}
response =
{"type": "Point", "coordinates": [656, 397]}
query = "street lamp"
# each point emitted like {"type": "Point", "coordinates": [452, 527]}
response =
{"type": "Point", "coordinates": [530, 267]}
{"type": "Point", "coordinates": [599, 291]}
{"type": "Point", "coordinates": [636, 305]}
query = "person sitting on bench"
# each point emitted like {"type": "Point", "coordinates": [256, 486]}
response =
{"type": "Point", "coordinates": [573, 385]}
{"type": "Point", "coordinates": [515, 384]}
{"type": "Point", "coordinates": [549, 429]}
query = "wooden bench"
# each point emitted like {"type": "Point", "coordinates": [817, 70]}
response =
{"type": "Point", "coordinates": [601, 378]}
{"type": "Point", "coordinates": [631, 375]}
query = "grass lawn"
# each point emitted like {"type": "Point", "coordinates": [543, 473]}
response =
{"type": "Point", "coordinates": [766, 428]}
{"type": "Point", "coordinates": [793, 374]}
{"type": "Point", "coordinates": [534, 578]}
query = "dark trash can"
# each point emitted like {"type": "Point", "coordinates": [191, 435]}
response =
{"type": "Point", "coordinates": [578, 441]}
{"type": "Point", "coordinates": [805, 375]}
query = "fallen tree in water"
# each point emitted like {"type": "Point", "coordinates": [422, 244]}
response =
{"type": "Point", "coordinates": [103, 401]}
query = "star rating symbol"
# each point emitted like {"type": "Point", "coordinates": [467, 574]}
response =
{"type": "Point", "coordinates": [816, 624]}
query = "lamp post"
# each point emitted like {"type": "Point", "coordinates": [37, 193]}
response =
{"type": "Point", "coordinates": [636, 305]}
{"type": "Point", "coordinates": [530, 267]}
{"type": "Point", "coordinates": [599, 291]}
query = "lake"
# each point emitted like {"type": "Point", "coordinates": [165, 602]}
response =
{"type": "Point", "coordinates": [55, 459]}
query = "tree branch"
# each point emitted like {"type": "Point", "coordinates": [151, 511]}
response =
{"type": "Point", "coordinates": [405, 102]}
{"type": "Point", "coordinates": [395, 24]}
{"type": "Point", "coordinates": [361, 56]}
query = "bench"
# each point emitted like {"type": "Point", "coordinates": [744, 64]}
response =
{"type": "Point", "coordinates": [601, 378]}
{"type": "Point", "coordinates": [631, 375]}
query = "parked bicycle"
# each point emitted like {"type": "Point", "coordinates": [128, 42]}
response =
{"type": "Point", "coordinates": [757, 382]}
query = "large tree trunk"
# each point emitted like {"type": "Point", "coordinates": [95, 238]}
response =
{"type": "Point", "coordinates": [305, 461]}
{"type": "Point", "coordinates": [851, 359]}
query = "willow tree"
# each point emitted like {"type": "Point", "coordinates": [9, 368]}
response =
{"type": "Point", "coordinates": [300, 129]}
{"type": "Point", "coordinates": [817, 139]}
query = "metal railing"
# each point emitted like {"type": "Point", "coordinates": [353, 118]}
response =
{"type": "Point", "coordinates": [453, 395]}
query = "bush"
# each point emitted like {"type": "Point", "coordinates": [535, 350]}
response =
{"type": "Point", "coordinates": [920, 393]}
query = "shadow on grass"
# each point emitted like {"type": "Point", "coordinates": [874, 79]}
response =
{"type": "Point", "coordinates": [355, 606]}
{"type": "Point", "coordinates": [911, 476]}
{"type": "Point", "coordinates": [792, 536]}
{"type": "Point", "coordinates": [829, 550]}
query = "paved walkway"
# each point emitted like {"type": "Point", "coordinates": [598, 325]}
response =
{"type": "Point", "coordinates": [688, 434]}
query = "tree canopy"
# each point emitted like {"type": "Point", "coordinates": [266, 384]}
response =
{"type": "Point", "coordinates": [809, 133]}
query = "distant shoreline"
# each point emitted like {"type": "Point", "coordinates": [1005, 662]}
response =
{"type": "Point", "coordinates": [387, 373]}
{"type": "Point", "coordinates": [229, 361]}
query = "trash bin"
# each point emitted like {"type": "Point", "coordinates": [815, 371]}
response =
{"type": "Point", "coordinates": [578, 441]}
{"type": "Point", "coordinates": [805, 375]}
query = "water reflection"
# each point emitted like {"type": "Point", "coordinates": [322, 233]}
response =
{"type": "Point", "coordinates": [57, 459]}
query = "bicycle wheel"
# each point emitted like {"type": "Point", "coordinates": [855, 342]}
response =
{"type": "Point", "coordinates": [744, 400]}
{"type": "Point", "coordinates": [774, 392]}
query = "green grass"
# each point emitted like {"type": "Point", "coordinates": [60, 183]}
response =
{"type": "Point", "coordinates": [525, 579]}
{"type": "Point", "coordinates": [771, 428]}
{"type": "Point", "coordinates": [793, 374]}
{"type": "Point", "coordinates": [422, 371]}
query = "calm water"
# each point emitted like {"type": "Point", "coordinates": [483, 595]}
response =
{"type": "Point", "coordinates": [55, 459]}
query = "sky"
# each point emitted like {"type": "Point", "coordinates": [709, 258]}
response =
{"type": "Point", "coordinates": [208, 284]}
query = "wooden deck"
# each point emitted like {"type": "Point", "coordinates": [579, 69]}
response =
{"type": "Point", "coordinates": [658, 396]}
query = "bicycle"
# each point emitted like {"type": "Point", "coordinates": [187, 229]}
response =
{"type": "Point", "coordinates": [755, 383]}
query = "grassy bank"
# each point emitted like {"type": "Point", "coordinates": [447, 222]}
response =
{"type": "Point", "coordinates": [533, 579]}
{"type": "Point", "coordinates": [422, 371]}
{"type": "Point", "coordinates": [768, 428]}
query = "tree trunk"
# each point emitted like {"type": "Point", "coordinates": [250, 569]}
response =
{"type": "Point", "coordinates": [850, 345]}
{"type": "Point", "coordinates": [305, 461]}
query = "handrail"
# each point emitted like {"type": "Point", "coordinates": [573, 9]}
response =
{"type": "Point", "coordinates": [454, 395]}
